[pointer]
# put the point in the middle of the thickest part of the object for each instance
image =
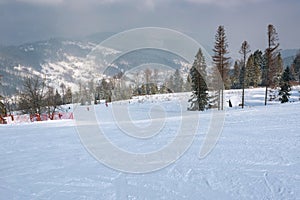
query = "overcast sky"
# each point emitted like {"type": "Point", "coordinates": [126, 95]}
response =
{"type": "Point", "coordinates": [32, 20]}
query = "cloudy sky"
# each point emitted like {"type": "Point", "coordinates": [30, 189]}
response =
{"type": "Point", "coordinates": [32, 20]}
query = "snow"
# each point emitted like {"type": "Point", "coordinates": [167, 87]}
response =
{"type": "Point", "coordinates": [256, 156]}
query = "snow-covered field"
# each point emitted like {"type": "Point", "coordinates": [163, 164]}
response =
{"type": "Point", "coordinates": [256, 156]}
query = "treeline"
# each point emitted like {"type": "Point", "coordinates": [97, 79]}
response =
{"type": "Point", "coordinates": [256, 73]}
{"type": "Point", "coordinates": [254, 68]}
{"type": "Point", "coordinates": [122, 87]}
{"type": "Point", "coordinates": [260, 68]}
{"type": "Point", "coordinates": [37, 97]}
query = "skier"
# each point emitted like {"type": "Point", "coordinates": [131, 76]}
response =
{"type": "Point", "coordinates": [230, 104]}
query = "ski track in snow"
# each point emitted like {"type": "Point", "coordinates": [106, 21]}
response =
{"type": "Point", "coordinates": [256, 157]}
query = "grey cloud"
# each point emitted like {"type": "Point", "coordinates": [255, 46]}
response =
{"type": "Point", "coordinates": [31, 20]}
{"type": "Point", "coordinates": [41, 2]}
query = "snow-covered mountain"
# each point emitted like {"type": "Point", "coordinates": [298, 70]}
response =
{"type": "Point", "coordinates": [50, 59]}
{"type": "Point", "coordinates": [67, 61]}
{"type": "Point", "coordinates": [288, 56]}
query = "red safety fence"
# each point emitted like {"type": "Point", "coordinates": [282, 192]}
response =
{"type": "Point", "coordinates": [26, 118]}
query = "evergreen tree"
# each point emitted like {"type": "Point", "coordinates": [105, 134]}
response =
{"type": "Point", "coordinates": [2, 106]}
{"type": "Point", "coordinates": [235, 78]}
{"type": "Point", "coordinates": [68, 96]}
{"type": "Point", "coordinates": [199, 98]}
{"type": "Point", "coordinates": [153, 88]}
{"type": "Point", "coordinates": [296, 67]}
{"type": "Point", "coordinates": [121, 91]}
{"type": "Point", "coordinates": [221, 62]}
{"type": "Point", "coordinates": [148, 76]}
{"type": "Point", "coordinates": [63, 90]}
{"type": "Point", "coordinates": [58, 98]}
{"type": "Point", "coordinates": [177, 81]}
{"type": "Point", "coordinates": [257, 67]}
{"type": "Point", "coordinates": [142, 90]}
{"type": "Point", "coordinates": [164, 89]}
{"type": "Point", "coordinates": [271, 55]}
{"type": "Point", "coordinates": [249, 71]}
{"type": "Point", "coordinates": [245, 49]}
{"type": "Point", "coordinates": [170, 83]}
{"type": "Point", "coordinates": [103, 90]}
{"type": "Point", "coordinates": [278, 70]}
{"type": "Point", "coordinates": [285, 86]}
{"type": "Point", "coordinates": [187, 84]}
{"type": "Point", "coordinates": [264, 70]}
{"type": "Point", "coordinates": [253, 70]}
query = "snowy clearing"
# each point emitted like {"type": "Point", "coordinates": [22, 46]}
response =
{"type": "Point", "coordinates": [256, 156]}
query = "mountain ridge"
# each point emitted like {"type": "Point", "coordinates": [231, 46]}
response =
{"type": "Point", "coordinates": [63, 60]}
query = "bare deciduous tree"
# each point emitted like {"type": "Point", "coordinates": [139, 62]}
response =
{"type": "Point", "coordinates": [32, 96]}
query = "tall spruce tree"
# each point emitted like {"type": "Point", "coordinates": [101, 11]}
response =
{"type": "Point", "coordinates": [296, 67]}
{"type": "Point", "coordinates": [245, 49]}
{"type": "Point", "coordinates": [199, 98]}
{"type": "Point", "coordinates": [177, 81]}
{"type": "Point", "coordinates": [68, 96]}
{"type": "Point", "coordinates": [278, 70]}
{"type": "Point", "coordinates": [221, 62]}
{"type": "Point", "coordinates": [235, 78]}
{"type": "Point", "coordinates": [270, 55]}
{"type": "Point", "coordinates": [249, 71]}
{"type": "Point", "coordinates": [285, 86]}
{"type": "Point", "coordinates": [2, 106]}
{"type": "Point", "coordinates": [257, 67]}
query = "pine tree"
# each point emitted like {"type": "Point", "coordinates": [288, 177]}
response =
{"type": "Point", "coordinates": [264, 69]}
{"type": "Point", "coordinates": [68, 96]}
{"type": "Point", "coordinates": [148, 76]}
{"type": "Point", "coordinates": [249, 71]}
{"type": "Point", "coordinates": [285, 86]}
{"type": "Point", "coordinates": [257, 67]}
{"type": "Point", "coordinates": [270, 55]}
{"type": "Point", "coordinates": [104, 90]}
{"type": "Point", "coordinates": [199, 98]}
{"type": "Point", "coordinates": [253, 70]}
{"type": "Point", "coordinates": [153, 88]}
{"type": "Point", "coordinates": [245, 49]}
{"type": "Point", "coordinates": [170, 83]}
{"type": "Point", "coordinates": [221, 62]}
{"type": "Point", "coordinates": [2, 107]}
{"type": "Point", "coordinates": [177, 81]}
{"type": "Point", "coordinates": [296, 67]}
{"type": "Point", "coordinates": [63, 90]}
{"type": "Point", "coordinates": [293, 73]}
{"type": "Point", "coordinates": [278, 70]}
{"type": "Point", "coordinates": [187, 84]}
{"type": "Point", "coordinates": [235, 78]}
{"type": "Point", "coordinates": [164, 89]}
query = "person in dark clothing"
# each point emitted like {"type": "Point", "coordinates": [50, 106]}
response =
{"type": "Point", "coordinates": [230, 104]}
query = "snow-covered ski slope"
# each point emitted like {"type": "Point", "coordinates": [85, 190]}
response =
{"type": "Point", "coordinates": [256, 156]}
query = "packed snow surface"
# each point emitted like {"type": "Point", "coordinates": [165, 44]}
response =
{"type": "Point", "coordinates": [256, 157]}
